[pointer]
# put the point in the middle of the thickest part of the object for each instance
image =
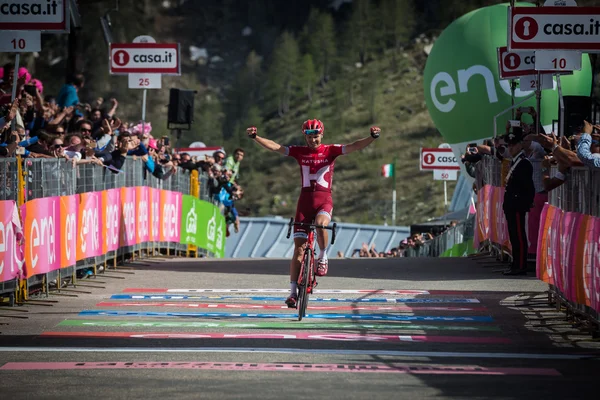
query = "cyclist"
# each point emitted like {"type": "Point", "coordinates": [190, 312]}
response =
{"type": "Point", "coordinates": [316, 162]}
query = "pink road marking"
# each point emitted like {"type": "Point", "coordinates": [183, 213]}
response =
{"type": "Point", "coordinates": [277, 307]}
{"type": "Point", "coordinates": [343, 337]}
{"type": "Point", "coordinates": [317, 291]}
{"type": "Point", "coordinates": [415, 369]}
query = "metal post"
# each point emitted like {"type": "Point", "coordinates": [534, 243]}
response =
{"type": "Point", "coordinates": [538, 96]}
{"type": "Point", "coordinates": [394, 193]}
{"type": "Point", "coordinates": [16, 77]}
{"type": "Point", "coordinates": [445, 195]}
{"type": "Point", "coordinates": [144, 111]}
{"type": "Point", "coordinates": [513, 87]}
{"type": "Point", "coordinates": [561, 102]}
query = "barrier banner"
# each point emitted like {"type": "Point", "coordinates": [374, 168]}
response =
{"type": "Point", "coordinates": [142, 212]}
{"type": "Point", "coordinates": [499, 230]}
{"type": "Point", "coordinates": [111, 204]}
{"type": "Point", "coordinates": [568, 238]}
{"type": "Point", "coordinates": [189, 219]}
{"type": "Point", "coordinates": [154, 214]}
{"type": "Point", "coordinates": [211, 228]}
{"type": "Point", "coordinates": [128, 216]}
{"type": "Point", "coordinates": [170, 216]}
{"type": "Point", "coordinates": [89, 239]}
{"type": "Point", "coordinates": [582, 260]}
{"type": "Point", "coordinates": [11, 260]}
{"type": "Point", "coordinates": [69, 215]}
{"type": "Point", "coordinates": [482, 233]}
{"type": "Point", "coordinates": [42, 250]}
{"type": "Point", "coordinates": [595, 286]}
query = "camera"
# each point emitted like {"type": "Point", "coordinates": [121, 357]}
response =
{"type": "Point", "coordinates": [30, 89]}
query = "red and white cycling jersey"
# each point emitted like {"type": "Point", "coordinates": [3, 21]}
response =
{"type": "Point", "coordinates": [316, 166]}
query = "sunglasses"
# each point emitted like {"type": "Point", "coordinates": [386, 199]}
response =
{"type": "Point", "coordinates": [84, 130]}
{"type": "Point", "coordinates": [312, 131]}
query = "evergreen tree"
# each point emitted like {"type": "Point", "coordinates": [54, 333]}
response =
{"type": "Point", "coordinates": [398, 18]}
{"type": "Point", "coordinates": [363, 30]}
{"type": "Point", "coordinates": [307, 77]}
{"type": "Point", "coordinates": [319, 41]}
{"type": "Point", "coordinates": [371, 91]}
{"type": "Point", "coordinates": [282, 77]}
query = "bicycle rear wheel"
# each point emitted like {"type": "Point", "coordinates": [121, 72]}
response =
{"type": "Point", "coordinates": [303, 292]}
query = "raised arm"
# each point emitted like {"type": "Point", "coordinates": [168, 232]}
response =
{"type": "Point", "coordinates": [362, 143]}
{"type": "Point", "coordinates": [264, 142]}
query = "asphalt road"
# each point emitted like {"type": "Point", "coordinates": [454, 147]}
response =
{"type": "Point", "coordinates": [218, 329]}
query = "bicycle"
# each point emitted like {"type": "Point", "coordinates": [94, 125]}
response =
{"type": "Point", "coordinates": [307, 278]}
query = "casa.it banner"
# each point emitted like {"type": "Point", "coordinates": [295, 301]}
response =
{"type": "Point", "coordinates": [203, 225]}
{"type": "Point", "coordinates": [568, 255]}
{"type": "Point", "coordinates": [59, 231]}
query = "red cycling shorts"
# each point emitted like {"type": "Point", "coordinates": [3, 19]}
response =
{"type": "Point", "coordinates": [311, 204]}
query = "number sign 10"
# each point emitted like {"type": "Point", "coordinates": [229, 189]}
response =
{"type": "Point", "coordinates": [20, 41]}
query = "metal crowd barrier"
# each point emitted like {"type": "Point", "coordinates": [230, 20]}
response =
{"type": "Point", "coordinates": [46, 177]}
{"type": "Point", "coordinates": [580, 193]}
{"type": "Point", "coordinates": [451, 237]}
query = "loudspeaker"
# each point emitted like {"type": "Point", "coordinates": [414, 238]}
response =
{"type": "Point", "coordinates": [577, 109]}
{"type": "Point", "coordinates": [181, 109]}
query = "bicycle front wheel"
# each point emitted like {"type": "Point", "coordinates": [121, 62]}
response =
{"type": "Point", "coordinates": [303, 295]}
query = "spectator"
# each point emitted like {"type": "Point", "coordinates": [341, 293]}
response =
{"type": "Point", "coordinates": [518, 200]}
{"type": "Point", "coordinates": [68, 95]}
{"type": "Point", "coordinates": [584, 147]}
{"type": "Point", "coordinates": [232, 163]}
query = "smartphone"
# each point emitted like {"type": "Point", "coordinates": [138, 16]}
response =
{"type": "Point", "coordinates": [30, 89]}
{"type": "Point", "coordinates": [166, 141]}
{"type": "Point", "coordinates": [515, 123]}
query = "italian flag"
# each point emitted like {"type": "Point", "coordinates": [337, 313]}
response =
{"type": "Point", "coordinates": [387, 170]}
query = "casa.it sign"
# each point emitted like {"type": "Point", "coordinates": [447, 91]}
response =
{"type": "Point", "coordinates": [554, 28]}
{"type": "Point", "coordinates": [145, 58]}
{"type": "Point", "coordinates": [443, 159]}
{"type": "Point", "coordinates": [34, 15]}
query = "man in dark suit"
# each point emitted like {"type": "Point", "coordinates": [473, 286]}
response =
{"type": "Point", "coordinates": [518, 200]}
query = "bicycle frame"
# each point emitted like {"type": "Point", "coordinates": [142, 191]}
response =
{"type": "Point", "coordinates": [307, 278]}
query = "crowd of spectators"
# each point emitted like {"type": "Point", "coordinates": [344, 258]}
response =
{"type": "Point", "coordinates": [578, 146]}
{"type": "Point", "coordinates": [41, 125]}
{"type": "Point", "coordinates": [413, 242]}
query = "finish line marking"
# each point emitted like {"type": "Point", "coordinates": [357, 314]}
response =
{"type": "Point", "coordinates": [398, 326]}
{"type": "Point", "coordinates": [323, 291]}
{"type": "Point", "coordinates": [284, 307]}
{"type": "Point", "coordinates": [413, 369]}
{"type": "Point", "coordinates": [267, 350]}
{"type": "Point", "coordinates": [287, 336]}
{"type": "Point", "coordinates": [278, 298]}
{"type": "Point", "coordinates": [381, 317]}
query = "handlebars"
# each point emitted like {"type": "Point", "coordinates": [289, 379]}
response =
{"type": "Point", "coordinates": [312, 226]}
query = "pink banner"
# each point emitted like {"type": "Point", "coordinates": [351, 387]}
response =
{"type": "Point", "coordinates": [69, 216]}
{"type": "Point", "coordinates": [154, 214]}
{"type": "Point", "coordinates": [568, 239]}
{"type": "Point", "coordinates": [590, 255]}
{"type": "Point", "coordinates": [482, 233]}
{"type": "Point", "coordinates": [111, 204]}
{"type": "Point", "coordinates": [170, 216]}
{"type": "Point", "coordinates": [42, 235]}
{"type": "Point", "coordinates": [89, 239]}
{"type": "Point", "coordinates": [142, 213]}
{"type": "Point", "coordinates": [128, 236]}
{"type": "Point", "coordinates": [595, 289]}
{"type": "Point", "coordinates": [11, 257]}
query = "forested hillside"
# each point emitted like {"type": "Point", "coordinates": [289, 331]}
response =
{"type": "Point", "coordinates": [273, 64]}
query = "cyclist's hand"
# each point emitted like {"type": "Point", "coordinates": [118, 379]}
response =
{"type": "Point", "coordinates": [375, 131]}
{"type": "Point", "coordinates": [252, 131]}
